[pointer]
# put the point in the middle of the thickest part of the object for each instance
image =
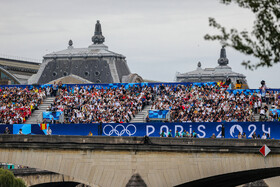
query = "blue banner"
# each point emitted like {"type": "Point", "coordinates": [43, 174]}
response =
{"type": "Point", "coordinates": [275, 111]}
{"type": "Point", "coordinates": [158, 114]}
{"type": "Point", "coordinates": [130, 85]}
{"type": "Point", "coordinates": [52, 115]}
{"type": "Point", "coordinates": [203, 130]}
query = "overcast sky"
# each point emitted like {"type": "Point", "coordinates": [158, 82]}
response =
{"type": "Point", "coordinates": [158, 37]}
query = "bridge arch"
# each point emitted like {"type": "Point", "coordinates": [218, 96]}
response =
{"type": "Point", "coordinates": [57, 184]}
{"type": "Point", "coordinates": [235, 178]}
{"type": "Point", "coordinates": [111, 161]}
{"type": "Point", "coordinates": [35, 177]}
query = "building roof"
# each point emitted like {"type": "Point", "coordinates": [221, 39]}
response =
{"type": "Point", "coordinates": [97, 49]}
{"type": "Point", "coordinates": [212, 72]}
{"type": "Point", "coordinates": [94, 50]}
{"type": "Point", "coordinates": [219, 72]}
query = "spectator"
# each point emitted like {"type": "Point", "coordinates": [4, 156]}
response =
{"type": "Point", "coordinates": [49, 131]}
{"type": "Point", "coordinates": [100, 129]}
{"type": "Point", "coordinates": [223, 131]}
{"type": "Point", "coordinates": [239, 135]}
{"type": "Point", "coordinates": [254, 136]}
{"type": "Point", "coordinates": [177, 134]}
{"type": "Point", "coordinates": [194, 134]}
{"type": "Point", "coordinates": [170, 133]}
{"type": "Point", "coordinates": [7, 131]}
{"type": "Point", "coordinates": [162, 134]}
{"type": "Point", "coordinates": [244, 135]}
{"type": "Point", "coordinates": [54, 89]}
{"type": "Point", "coordinates": [184, 133]}
{"type": "Point", "coordinates": [264, 136]}
{"type": "Point", "coordinates": [213, 135]}
{"type": "Point", "coordinates": [147, 119]}
{"type": "Point", "coordinates": [48, 91]}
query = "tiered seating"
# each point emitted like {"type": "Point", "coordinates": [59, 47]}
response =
{"type": "Point", "coordinates": [17, 104]}
{"type": "Point", "coordinates": [114, 105]}
{"type": "Point", "coordinates": [211, 104]}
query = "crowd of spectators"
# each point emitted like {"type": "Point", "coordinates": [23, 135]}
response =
{"type": "Point", "coordinates": [211, 103]}
{"type": "Point", "coordinates": [206, 103]}
{"type": "Point", "coordinates": [91, 105]}
{"type": "Point", "coordinates": [17, 104]}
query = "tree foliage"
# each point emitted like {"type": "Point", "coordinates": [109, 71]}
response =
{"type": "Point", "coordinates": [264, 40]}
{"type": "Point", "coordinates": [7, 178]}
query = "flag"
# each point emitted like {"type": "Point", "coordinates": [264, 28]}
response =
{"type": "Point", "coordinates": [43, 126]}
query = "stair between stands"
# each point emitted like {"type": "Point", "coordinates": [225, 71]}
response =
{"type": "Point", "coordinates": [141, 116]}
{"type": "Point", "coordinates": [257, 116]}
{"type": "Point", "coordinates": [36, 116]}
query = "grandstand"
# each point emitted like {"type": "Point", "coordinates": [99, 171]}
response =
{"type": "Point", "coordinates": [121, 103]}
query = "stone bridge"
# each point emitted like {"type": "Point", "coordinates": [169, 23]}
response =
{"type": "Point", "coordinates": [111, 161]}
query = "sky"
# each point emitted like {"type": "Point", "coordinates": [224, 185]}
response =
{"type": "Point", "coordinates": [158, 37]}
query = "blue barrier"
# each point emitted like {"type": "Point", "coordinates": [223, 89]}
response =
{"type": "Point", "coordinates": [203, 130]}
{"type": "Point", "coordinates": [52, 115]}
{"type": "Point", "coordinates": [158, 114]}
{"type": "Point", "coordinates": [130, 85]}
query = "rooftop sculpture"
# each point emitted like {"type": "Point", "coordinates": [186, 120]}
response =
{"type": "Point", "coordinates": [223, 61]}
{"type": "Point", "coordinates": [98, 38]}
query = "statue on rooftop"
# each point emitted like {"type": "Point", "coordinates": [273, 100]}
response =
{"type": "Point", "coordinates": [98, 38]}
{"type": "Point", "coordinates": [70, 43]}
{"type": "Point", "coordinates": [223, 61]}
{"type": "Point", "coordinates": [199, 64]}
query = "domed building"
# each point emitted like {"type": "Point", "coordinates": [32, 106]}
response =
{"type": "Point", "coordinates": [221, 72]}
{"type": "Point", "coordinates": [94, 64]}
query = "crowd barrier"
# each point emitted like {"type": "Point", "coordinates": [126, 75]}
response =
{"type": "Point", "coordinates": [203, 130]}
{"type": "Point", "coordinates": [111, 85]}
{"type": "Point", "coordinates": [127, 85]}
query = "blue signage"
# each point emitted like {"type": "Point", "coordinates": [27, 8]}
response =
{"type": "Point", "coordinates": [52, 115]}
{"type": "Point", "coordinates": [158, 114]}
{"type": "Point", "coordinates": [203, 130]}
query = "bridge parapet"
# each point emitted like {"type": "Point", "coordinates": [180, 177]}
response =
{"type": "Point", "coordinates": [111, 161]}
{"type": "Point", "coordinates": [138, 143]}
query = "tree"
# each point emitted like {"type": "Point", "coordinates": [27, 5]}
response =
{"type": "Point", "coordinates": [264, 40]}
{"type": "Point", "coordinates": [7, 178]}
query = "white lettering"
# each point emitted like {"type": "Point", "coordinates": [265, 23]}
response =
{"type": "Point", "coordinates": [254, 130]}
{"type": "Point", "coordinates": [219, 131]}
{"type": "Point", "coordinates": [148, 133]}
{"type": "Point", "coordinates": [179, 126]}
{"type": "Point", "coordinates": [202, 131]}
{"type": "Point", "coordinates": [268, 129]}
{"type": "Point", "coordinates": [166, 129]}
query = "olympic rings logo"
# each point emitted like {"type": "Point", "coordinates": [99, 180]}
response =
{"type": "Point", "coordinates": [108, 130]}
